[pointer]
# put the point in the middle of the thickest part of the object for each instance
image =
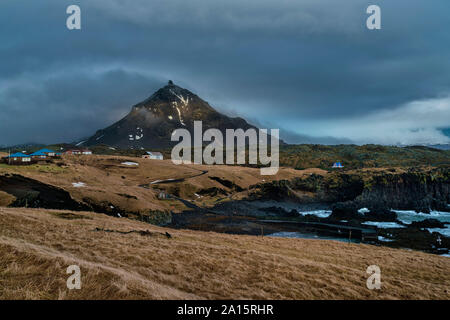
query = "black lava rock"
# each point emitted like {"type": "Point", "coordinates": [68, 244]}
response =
{"type": "Point", "coordinates": [427, 223]}
{"type": "Point", "coordinates": [345, 210]}
{"type": "Point", "coordinates": [381, 214]}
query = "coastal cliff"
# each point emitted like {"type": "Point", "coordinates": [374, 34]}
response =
{"type": "Point", "coordinates": [411, 189]}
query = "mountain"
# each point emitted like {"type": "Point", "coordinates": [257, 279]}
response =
{"type": "Point", "coordinates": [151, 122]}
{"type": "Point", "coordinates": [22, 147]}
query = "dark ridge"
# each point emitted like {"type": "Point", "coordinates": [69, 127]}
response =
{"type": "Point", "coordinates": [35, 194]}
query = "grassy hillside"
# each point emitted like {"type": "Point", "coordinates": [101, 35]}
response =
{"type": "Point", "coordinates": [107, 184]}
{"type": "Point", "coordinates": [366, 156]}
{"type": "Point", "coordinates": [114, 187]}
{"type": "Point", "coordinates": [314, 156]}
{"type": "Point", "coordinates": [126, 259]}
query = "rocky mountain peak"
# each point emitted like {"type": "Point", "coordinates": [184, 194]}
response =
{"type": "Point", "coordinates": [152, 121]}
{"type": "Point", "coordinates": [171, 94]}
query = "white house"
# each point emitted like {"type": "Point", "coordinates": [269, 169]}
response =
{"type": "Point", "coordinates": [153, 155]}
{"type": "Point", "coordinates": [78, 152]}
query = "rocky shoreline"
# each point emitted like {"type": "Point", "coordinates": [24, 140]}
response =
{"type": "Point", "coordinates": [417, 189]}
{"type": "Point", "coordinates": [342, 195]}
{"type": "Point", "coordinates": [313, 202]}
{"type": "Point", "coordinates": [268, 217]}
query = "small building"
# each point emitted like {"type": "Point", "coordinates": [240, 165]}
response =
{"type": "Point", "coordinates": [38, 155]}
{"type": "Point", "coordinates": [153, 155]}
{"type": "Point", "coordinates": [18, 158]}
{"type": "Point", "coordinates": [46, 152]}
{"type": "Point", "coordinates": [337, 165]}
{"type": "Point", "coordinates": [73, 152]}
{"type": "Point", "coordinates": [163, 196]}
{"type": "Point", "coordinates": [77, 152]}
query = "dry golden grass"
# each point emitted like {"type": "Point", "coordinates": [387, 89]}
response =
{"type": "Point", "coordinates": [6, 199]}
{"type": "Point", "coordinates": [107, 180]}
{"type": "Point", "coordinates": [36, 247]}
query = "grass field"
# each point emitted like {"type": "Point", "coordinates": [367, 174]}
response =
{"type": "Point", "coordinates": [36, 247]}
{"type": "Point", "coordinates": [303, 156]}
{"type": "Point", "coordinates": [107, 179]}
{"type": "Point", "coordinates": [365, 156]}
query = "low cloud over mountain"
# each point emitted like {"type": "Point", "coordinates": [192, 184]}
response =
{"type": "Point", "coordinates": [308, 67]}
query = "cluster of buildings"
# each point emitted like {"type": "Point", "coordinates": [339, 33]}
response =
{"type": "Point", "coordinates": [23, 158]}
{"type": "Point", "coordinates": [46, 155]}
{"type": "Point", "coordinates": [43, 155]}
{"type": "Point", "coordinates": [78, 152]}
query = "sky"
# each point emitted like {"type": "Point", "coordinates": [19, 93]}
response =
{"type": "Point", "coordinates": [308, 67]}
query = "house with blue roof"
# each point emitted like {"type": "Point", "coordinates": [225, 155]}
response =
{"type": "Point", "coordinates": [47, 152]}
{"type": "Point", "coordinates": [38, 155]}
{"type": "Point", "coordinates": [18, 155]}
{"type": "Point", "coordinates": [22, 158]}
{"type": "Point", "coordinates": [18, 158]}
{"type": "Point", "coordinates": [337, 165]}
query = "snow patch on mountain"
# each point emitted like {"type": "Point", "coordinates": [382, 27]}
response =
{"type": "Point", "coordinates": [179, 115]}
{"type": "Point", "coordinates": [80, 143]}
{"type": "Point", "coordinates": [184, 101]}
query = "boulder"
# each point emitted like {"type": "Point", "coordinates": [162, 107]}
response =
{"type": "Point", "coordinates": [379, 213]}
{"type": "Point", "coordinates": [427, 223]}
{"type": "Point", "coordinates": [345, 211]}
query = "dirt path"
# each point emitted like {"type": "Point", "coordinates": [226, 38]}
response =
{"type": "Point", "coordinates": [172, 180]}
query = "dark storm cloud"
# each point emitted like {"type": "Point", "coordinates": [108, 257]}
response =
{"type": "Point", "coordinates": [66, 107]}
{"type": "Point", "coordinates": [304, 66]}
